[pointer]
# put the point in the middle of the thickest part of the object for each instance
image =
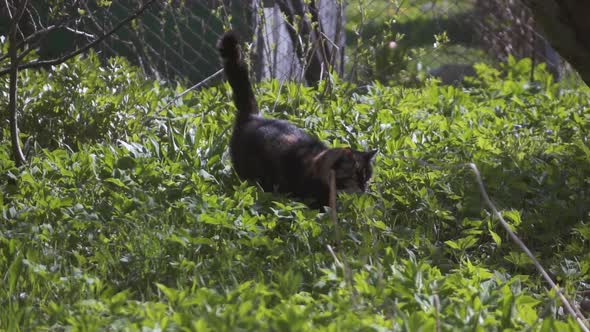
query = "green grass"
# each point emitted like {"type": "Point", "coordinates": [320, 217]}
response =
{"type": "Point", "coordinates": [135, 220]}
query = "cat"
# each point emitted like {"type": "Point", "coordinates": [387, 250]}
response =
{"type": "Point", "coordinates": [280, 156]}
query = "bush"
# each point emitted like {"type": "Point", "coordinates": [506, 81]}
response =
{"type": "Point", "coordinates": [144, 223]}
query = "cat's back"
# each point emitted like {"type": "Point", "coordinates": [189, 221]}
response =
{"type": "Point", "coordinates": [272, 152]}
{"type": "Point", "coordinates": [271, 135]}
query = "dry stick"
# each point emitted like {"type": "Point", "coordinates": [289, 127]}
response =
{"type": "Point", "coordinates": [334, 256]}
{"type": "Point", "coordinates": [344, 264]}
{"type": "Point", "coordinates": [191, 88]}
{"type": "Point", "coordinates": [523, 247]}
{"type": "Point", "coordinates": [332, 203]}
{"type": "Point", "coordinates": [278, 95]}
{"type": "Point", "coordinates": [333, 217]}
{"type": "Point", "coordinates": [437, 312]}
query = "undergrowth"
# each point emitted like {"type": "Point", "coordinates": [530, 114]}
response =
{"type": "Point", "coordinates": [128, 218]}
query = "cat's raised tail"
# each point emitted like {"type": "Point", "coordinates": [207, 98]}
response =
{"type": "Point", "coordinates": [236, 71]}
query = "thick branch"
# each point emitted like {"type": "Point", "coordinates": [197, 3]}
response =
{"type": "Point", "coordinates": [47, 63]}
{"type": "Point", "coordinates": [19, 157]}
{"type": "Point", "coordinates": [8, 9]}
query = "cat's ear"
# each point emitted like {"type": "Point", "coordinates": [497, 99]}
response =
{"type": "Point", "coordinates": [370, 155]}
{"type": "Point", "coordinates": [346, 153]}
{"type": "Point", "coordinates": [337, 156]}
{"type": "Point", "coordinates": [323, 162]}
{"type": "Point", "coordinates": [330, 159]}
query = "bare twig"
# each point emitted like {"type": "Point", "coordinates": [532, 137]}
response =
{"type": "Point", "coordinates": [45, 63]}
{"type": "Point", "coordinates": [30, 37]}
{"type": "Point", "coordinates": [353, 69]}
{"type": "Point", "coordinates": [437, 311]}
{"type": "Point", "coordinates": [94, 21]}
{"type": "Point", "coordinates": [336, 260]}
{"type": "Point", "coordinates": [295, 11]}
{"type": "Point", "coordinates": [196, 86]}
{"type": "Point", "coordinates": [332, 203]}
{"type": "Point", "coordinates": [8, 8]}
{"type": "Point", "coordinates": [81, 33]}
{"type": "Point", "coordinates": [278, 95]}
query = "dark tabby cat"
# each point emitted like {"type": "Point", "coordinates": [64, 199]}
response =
{"type": "Point", "coordinates": [277, 154]}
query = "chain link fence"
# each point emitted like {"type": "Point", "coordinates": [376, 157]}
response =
{"type": "Point", "coordinates": [395, 42]}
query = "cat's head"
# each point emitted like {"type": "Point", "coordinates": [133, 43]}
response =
{"type": "Point", "coordinates": [353, 169]}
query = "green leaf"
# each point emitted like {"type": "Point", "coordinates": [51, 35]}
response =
{"type": "Point", "coordinates": [14, 272]}
{"type": "Point", "coordinates": [514, 216]}
{"type": "Point", "coordinates": [170, 293]}
{"type": "Point", "coordinates": [452, 244]}
{"type": "Point", "coordinates": [116, 182]}
{"type": "Point", "coordinates": [496, 237]}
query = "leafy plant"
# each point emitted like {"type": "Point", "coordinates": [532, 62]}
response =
{"type": "Point", "coordinates": [136, 220]}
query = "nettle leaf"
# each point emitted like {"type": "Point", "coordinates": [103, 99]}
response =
{"type": "Point", "coordinates": [170, 293]}
{"type": "Point", "coordinates": [513, 216]}
{"type": "Point", "coordinates": [453, 244]}
{"type": "Point", "coordinates": [496, 237]}
{"type": "Point", "coordinates": [518, 259]}
{"type": "Point", "coordinates": [583, 230]}
{"type": "Point", "coordinates": [116, 182]}
{"type": "Point", "coordinates": [463, 243]}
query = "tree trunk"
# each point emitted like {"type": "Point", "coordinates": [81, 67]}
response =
{"type": "Point", "coordinates": [298, 39]}
{"type": "Point", "coordinates": [566, 26]}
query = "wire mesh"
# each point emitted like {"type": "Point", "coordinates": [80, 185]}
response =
{"type": "Point", "coordinates": [393, 41]}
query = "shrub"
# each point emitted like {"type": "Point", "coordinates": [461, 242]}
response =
{"type": "Point", "coordinates": [144, 224]}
